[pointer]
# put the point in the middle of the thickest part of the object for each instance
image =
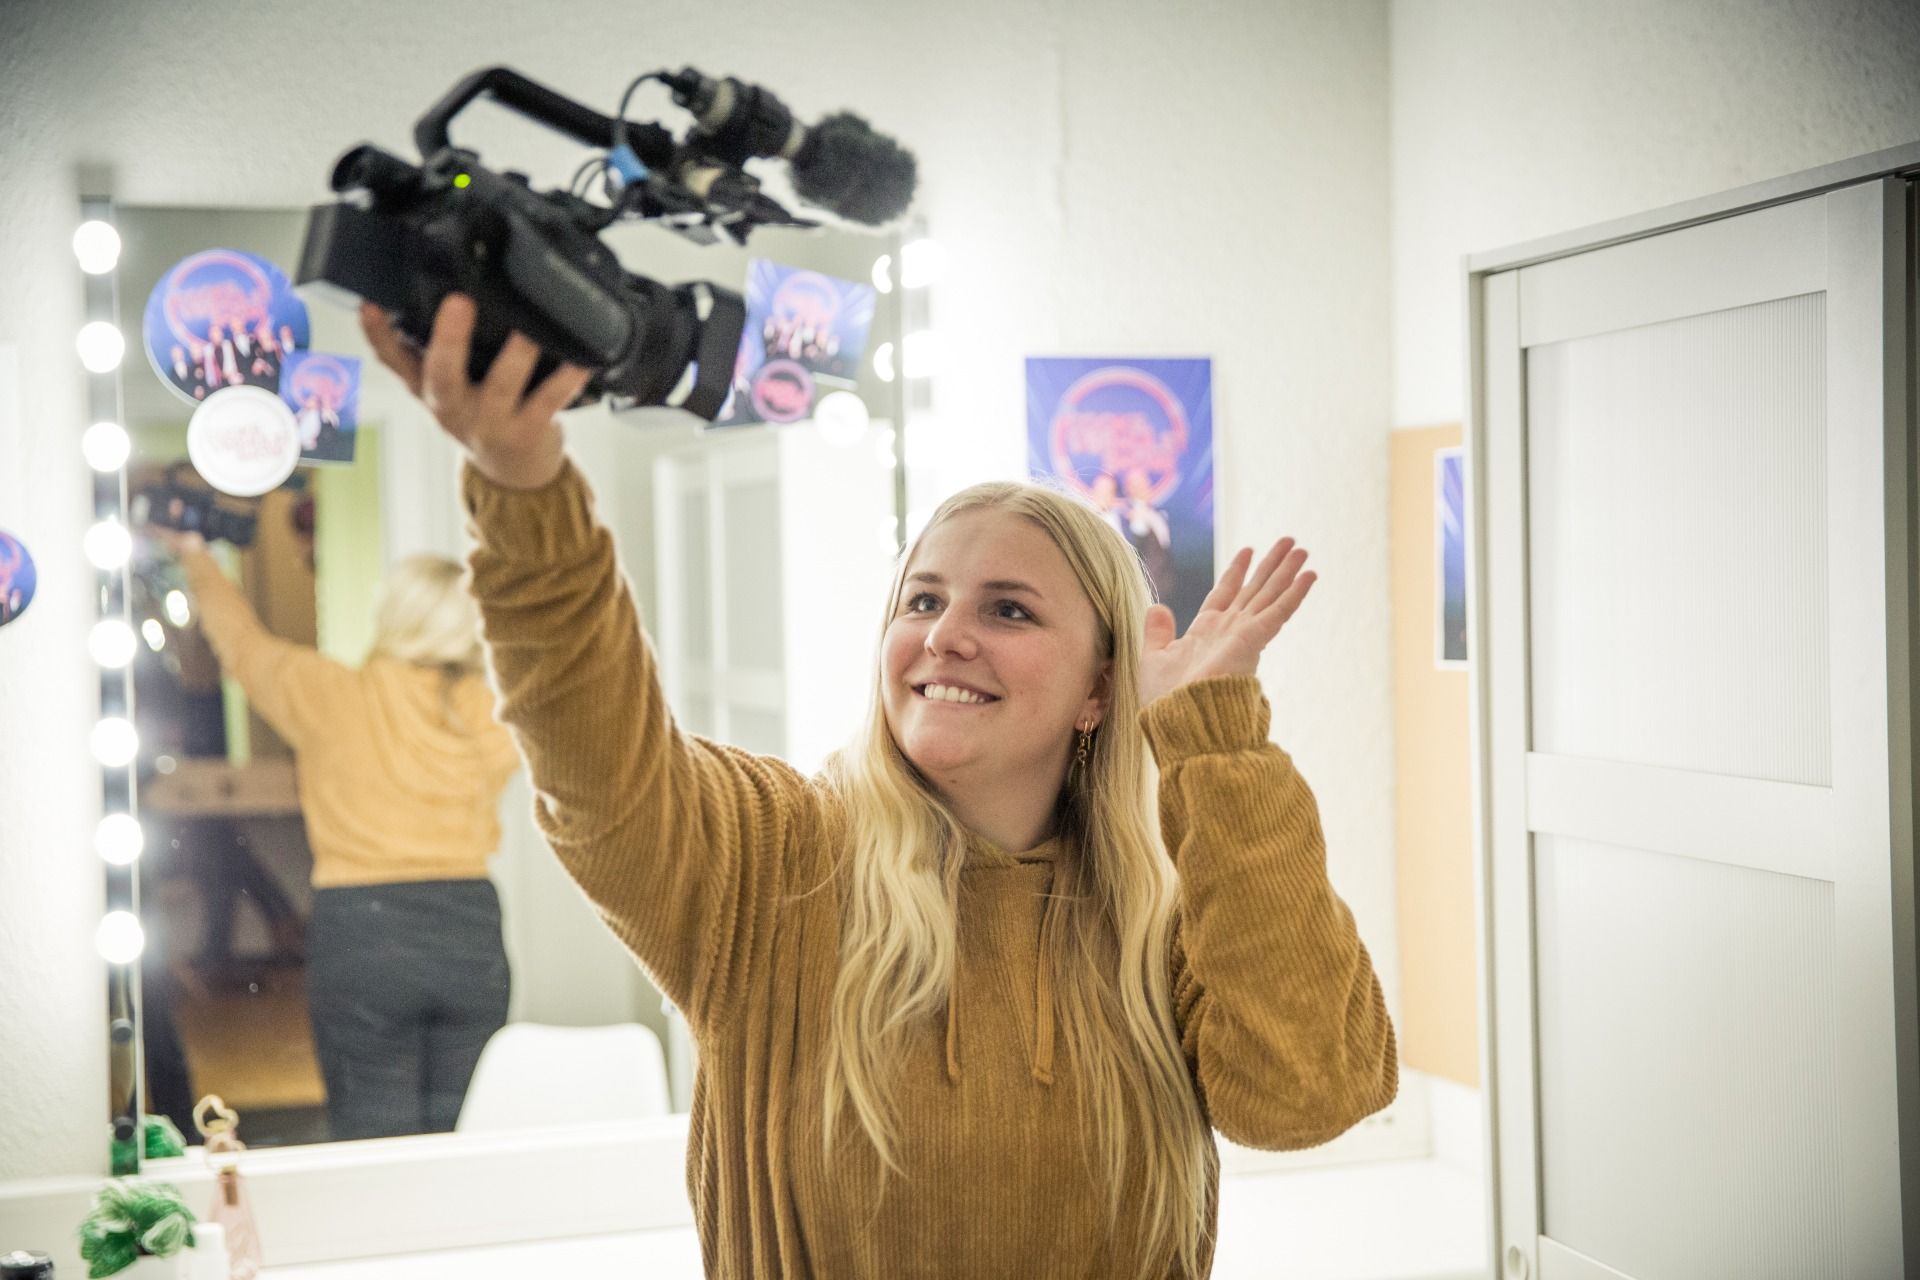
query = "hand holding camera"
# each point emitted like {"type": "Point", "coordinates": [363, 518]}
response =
{"type": "Point", "coordinates": [507, 428]}
{"type": "Point", "coordinates": [180, 511]}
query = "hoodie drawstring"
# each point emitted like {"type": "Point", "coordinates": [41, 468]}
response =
{"type": "Point", "coordinates": [1043, 993]}
{"type": "Point", "coordinates": [1043, 1013]}
{"type": "Point", "coordinates": [953, 1031]}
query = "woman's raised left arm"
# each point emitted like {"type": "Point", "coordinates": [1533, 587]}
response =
{"type": "Point", "coordinates": [295, 688]}
{"type": "Point", "coordinates": [1280, 1012]}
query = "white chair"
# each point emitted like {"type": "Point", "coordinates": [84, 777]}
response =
{"type": "Point", "coordinates": [530, 1074]}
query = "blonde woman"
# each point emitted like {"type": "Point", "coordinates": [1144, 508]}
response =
{"type": "Point", "coordinates": [400, 764]}
{"type": "Point", "coordinates": [961, 1012]}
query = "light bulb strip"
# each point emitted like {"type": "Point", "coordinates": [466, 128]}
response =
{"type": "Point", "coordinates": [914, 396]}
{"type": "Point", "coordinates": [907, 399]}
{"type": "Point", "coordinates": [112, 586]}
{"type": "Point", "coordinates": [118, 782]}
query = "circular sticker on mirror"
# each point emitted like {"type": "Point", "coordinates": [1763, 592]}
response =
{"type": "Point", "coordinates": [17, 577]}
{"type": "Point", "coordinates": [782, 391]}
{"type": "Point", "coordinates": [244, 441]}
{"type": "Point", "coordinates": [222, 318]}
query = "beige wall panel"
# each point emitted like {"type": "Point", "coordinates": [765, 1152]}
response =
{"type": "Point", "coordinates": [1433, 835]}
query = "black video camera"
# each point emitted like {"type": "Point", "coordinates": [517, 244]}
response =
{"type": "Point", "coordinates": [175, 503]}
{"type": "Point", "coordinates": [406, 236]}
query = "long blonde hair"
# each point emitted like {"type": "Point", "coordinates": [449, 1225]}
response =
{"type": "Point", "coordinates": [427, 616]}
{"type": "Point", "coordinates": [898, 950]}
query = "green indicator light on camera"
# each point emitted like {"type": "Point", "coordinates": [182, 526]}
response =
{"type": "Point", "coordinates": [462, 181]}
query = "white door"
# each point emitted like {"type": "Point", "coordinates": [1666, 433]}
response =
{"type": "Point", "coordinates": [1694, 472]}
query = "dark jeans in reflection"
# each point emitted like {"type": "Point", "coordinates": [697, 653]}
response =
{"type": "Point", "coordinates": [405, 983]}
{"type": "Point", "coordinates": [169, 1086]}
{"type": "Point", "coordinates": [227, 868]}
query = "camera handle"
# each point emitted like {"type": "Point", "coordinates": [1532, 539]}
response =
{"type": "Point", "coordinates": [653, 144]}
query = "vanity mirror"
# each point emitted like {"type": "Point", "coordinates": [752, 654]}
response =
{"type": "Point", "coordinates": [734, 537]}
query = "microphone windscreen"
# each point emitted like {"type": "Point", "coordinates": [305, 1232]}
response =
{"type": "Point", "coordinates": [846, 167]}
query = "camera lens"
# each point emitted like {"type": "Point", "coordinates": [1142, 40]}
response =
{"type": "Point", "coordinates": [376, 170]}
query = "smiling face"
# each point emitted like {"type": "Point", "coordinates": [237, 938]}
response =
{"type": "Point", "coordinates": [992, 656]}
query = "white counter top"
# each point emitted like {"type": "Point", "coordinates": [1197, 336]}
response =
{"type": "Point", "coordinates": [1404, 1220]}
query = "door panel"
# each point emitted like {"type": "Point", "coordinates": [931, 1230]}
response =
{"type": "Point", "coordinates": [1678, 524]}
{"type": "Point", "coordinates": [1687, 1044]}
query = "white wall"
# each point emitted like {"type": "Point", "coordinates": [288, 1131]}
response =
{"type": "Point", "coordinates": [1208, 178]}
{"type": "Point", "coordinates": [1514, 120]}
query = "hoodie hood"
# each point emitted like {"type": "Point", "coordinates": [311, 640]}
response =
{"type": "Point", "coordinates": [990, 876]}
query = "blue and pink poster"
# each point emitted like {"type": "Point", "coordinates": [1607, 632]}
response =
{"type": "Point", "coordinates": [324, 393]}
{"type": "Point", "coordinates": [1450, 533]}
{"type": "Point", "coordinates": [805, 335]}
{"type": "Point", "coordinates": [17, 578]}
{"type": "Point", "coordinates": [1135, 437]}
{"type": "Point", "coordinates": [222, 318]}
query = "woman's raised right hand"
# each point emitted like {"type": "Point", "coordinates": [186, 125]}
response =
{"type": "Point", "coordinates": [508, 430]}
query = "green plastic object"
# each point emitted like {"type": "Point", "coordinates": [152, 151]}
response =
{"type": "Point", "coordinates": [129, 1221]}
{"type": "Point", "coordinates": [163, 1138]}
{"type": "Point", "coordinates": [160, 1140]}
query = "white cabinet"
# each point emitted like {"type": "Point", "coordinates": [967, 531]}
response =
{"type": "Point", "coordinates": [772, 555]}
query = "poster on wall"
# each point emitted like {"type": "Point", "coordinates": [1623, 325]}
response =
{"type": "Point", "coordinates": [1135, 437]}
{"type": "Point", "coordinates": [222, 318]}
{"type": "Point", "coordinates": [17, 574]}
{"type": "Point", "coordinates": [1450, 538]}
{"type": "Point", "coordinates": [805, 336]}
{"type": "Point", "coordinates": [323, 391]}
{"type": "Point", "coordinates": [17, 577]}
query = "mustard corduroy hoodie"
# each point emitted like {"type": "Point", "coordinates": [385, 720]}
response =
{"type": "Point", "coordinates": [400, 773]}
{"type": "Point", "coordinates": [708, 863]}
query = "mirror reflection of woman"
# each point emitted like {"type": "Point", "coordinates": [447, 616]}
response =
{"type": "Point", "coordinates": [400, 764]}
{"type": "Point", "coordinates": [962, 1009]}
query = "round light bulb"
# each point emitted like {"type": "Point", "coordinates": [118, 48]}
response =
{"type": "Point", "coordinates": [97, 245]}
{"type": "Point", "coordinates": [178, 611]}
{"type": "Point", "coordinates": [920, 354]}
{"type": "Point", "coordinates": [111, 642]}
{"type": "Point", "coordinates": [118, 839]}
{"type": "Point", "coordinates": [154, 634]}
{"type": "Point", "coordinates": [101, 347]}
{"type": "Point", "coordinates": [120, 938]}
{"type": "Point", "coordinates": [883, 273]}
{"type": "Point", "coordinates": [922, 263]}
{"type": "Point", "coordinates": [106, 446]}
{"type": "Point", "coordinates": [841, 418]}
{"type": "Point", "coordinates": [114, 742]}
{"type": "Point", "coordinates": [107, 544]}
{"type": "Point", "coordinates": [883, 361]}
